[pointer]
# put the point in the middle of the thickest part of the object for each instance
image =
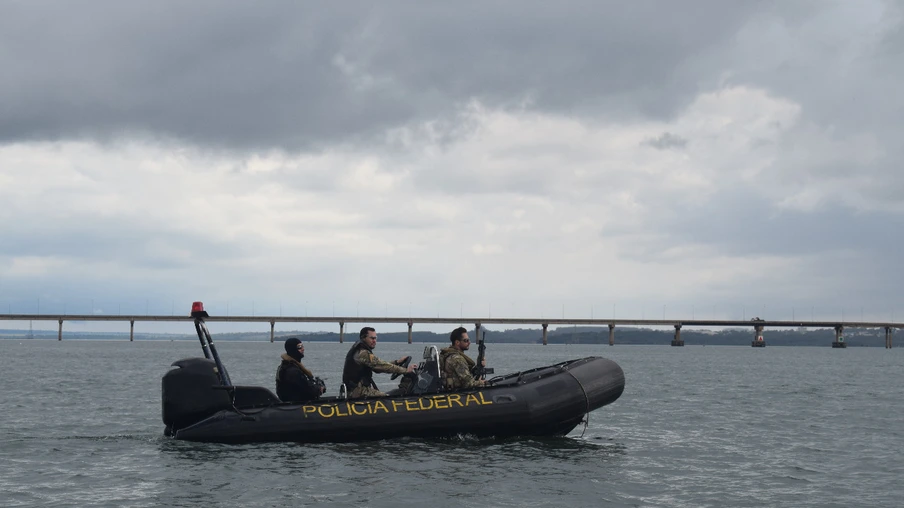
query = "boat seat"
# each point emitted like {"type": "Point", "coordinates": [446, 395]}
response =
{"type": "Point", "coordinates": [428, 378]}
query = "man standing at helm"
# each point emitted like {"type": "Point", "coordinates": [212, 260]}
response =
{"type": "Point", "coordinates": [361, 363]}
{"type": "Point", "coordinates": [457, 368]}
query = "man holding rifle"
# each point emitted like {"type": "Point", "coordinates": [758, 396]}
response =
{"type": "Point", "coordinates": [456, 367]}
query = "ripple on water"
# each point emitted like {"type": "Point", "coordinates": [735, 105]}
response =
{"type": "Point", "coordinates": [701, 427]}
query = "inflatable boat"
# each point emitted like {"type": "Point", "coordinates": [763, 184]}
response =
{"type": "Point", "coordinates": [200, 403]}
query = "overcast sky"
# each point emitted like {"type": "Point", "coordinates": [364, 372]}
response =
{"type": "Point", "coordinates": [515, 159]}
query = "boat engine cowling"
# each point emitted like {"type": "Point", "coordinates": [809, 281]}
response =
{"type": "Point", "coordinates": [191, 392]}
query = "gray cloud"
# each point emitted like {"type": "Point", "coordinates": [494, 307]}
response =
{"type": "Point", "coordinates": [667, 140]}
{"type": "Point", "coordinates": [145, 246]}
{"type": "Point", "coordinates": [749, 225]}
{"type": "Point", "coordinates": [304, 76]}
{"type": "Point", "coordinates": [852, 257]}
{"type": "Point", "coordinates": [342, 85]}
{"type": "Point", "coordinates": [301, 75]}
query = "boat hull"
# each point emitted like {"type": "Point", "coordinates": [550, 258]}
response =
{"type": "Point", "coordinates": [541, 402]}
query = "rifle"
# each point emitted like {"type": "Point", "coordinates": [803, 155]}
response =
{"type": "Point", "coordinates": [479, 371]}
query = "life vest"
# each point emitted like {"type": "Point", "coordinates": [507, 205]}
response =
{"type": "Point", "coordinates": [451, 382]}
{"type": "Point", "coordinates": [353, 373]}
{"type": "Point", "coordinates": [292, 391]}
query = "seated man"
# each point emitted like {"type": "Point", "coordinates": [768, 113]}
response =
{"type": "Point", "coordinates": [456, 367]}
{"type": "Point", "coordinates": [361, 363]}
{"type": "Point", "coordinates": [294, 382]}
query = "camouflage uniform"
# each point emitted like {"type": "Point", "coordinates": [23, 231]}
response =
{"type": "Point", "coordinates": [365, 391]}
{"type": "Point", "coordinates": [367, 359]}
{"type": "Point", "coordinates": [457, 369]}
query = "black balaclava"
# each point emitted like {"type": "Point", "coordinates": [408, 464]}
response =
{"type": "Point", "coordinates": [292, 349]}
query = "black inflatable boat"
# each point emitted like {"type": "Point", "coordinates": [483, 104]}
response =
{"type": "Point", "coordinates": [200, 403]}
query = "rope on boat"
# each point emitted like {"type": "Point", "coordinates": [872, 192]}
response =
{"type": "Point", "coordinates": [586, 420]}
{"type": "Point", "coordinates": [234, 407]}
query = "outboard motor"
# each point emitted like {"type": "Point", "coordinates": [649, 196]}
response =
{"type": "Point", "coordinates": [192, 392]}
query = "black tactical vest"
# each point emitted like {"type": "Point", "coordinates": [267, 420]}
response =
{"type": "Point", "coordinates": [292, 384]}
{"type": "Point", "coordinates": [280, 386]}
{"type": "Point", "coordinates": [282, 390]}
{"type": "Point", "coordinates": [353, 373]}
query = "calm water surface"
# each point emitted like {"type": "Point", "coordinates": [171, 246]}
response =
{"type": "Point", "coordinates": [696, 426]}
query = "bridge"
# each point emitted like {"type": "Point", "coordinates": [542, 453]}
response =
{"type": "Point", "coordinates": [758, 325]}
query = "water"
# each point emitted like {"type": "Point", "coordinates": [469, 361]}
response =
{"type": "Point", "coordinates": [696, 426]}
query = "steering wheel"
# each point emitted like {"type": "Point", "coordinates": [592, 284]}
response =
{"type": "Point", "coordinates": [405, 362]}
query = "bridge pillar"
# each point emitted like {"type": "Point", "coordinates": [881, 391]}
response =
{"type": "Point", "coordinates": [132, 331]}
{"type": "Point", "coordinates": [677, 340]}
{"type": "Point", "coordinates": [545, 335]}
{"type": "Point", "coordinates": [839, 337]}
{"type": "Point", "coordinates": [410, 324]}
{"type": "Point", "coordinates": [887, 337]}
{"type": "Point", "coordinates": [758, 336]}
{"type": "Point", "coordinates": [341, 331]}
{"type": "Point", "coordinates": [611, 334]}
{"type": "Point", "coordinates": [60, 333]}
{"type": "Point", "coordinates": [272, 325]}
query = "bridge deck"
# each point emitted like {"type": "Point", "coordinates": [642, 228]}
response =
{"type": "Point", "coordinates": [440, 320]}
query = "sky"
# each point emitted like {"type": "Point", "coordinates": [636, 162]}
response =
{"type": "Point", "coordinates": [648, 159]}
